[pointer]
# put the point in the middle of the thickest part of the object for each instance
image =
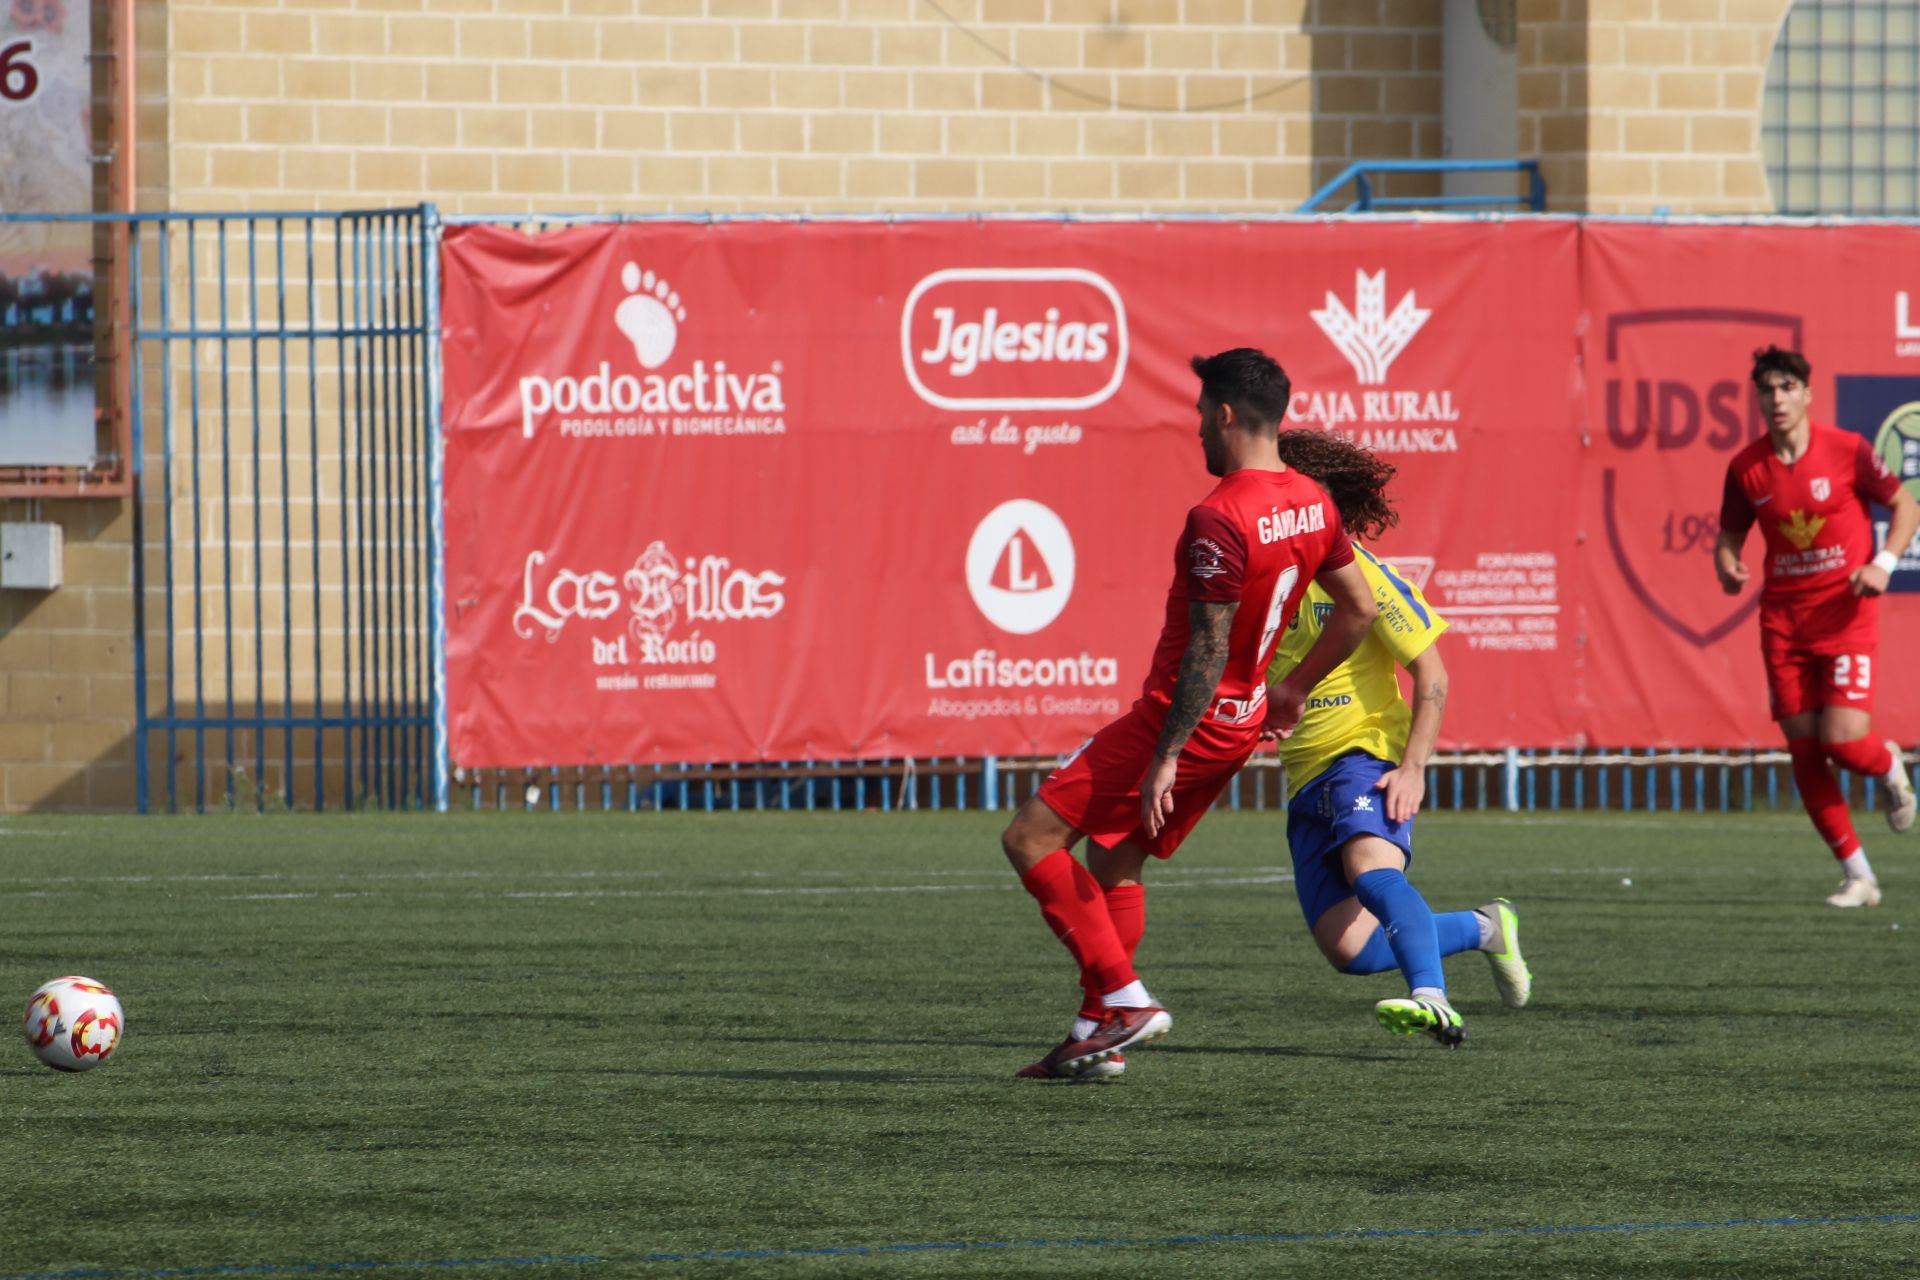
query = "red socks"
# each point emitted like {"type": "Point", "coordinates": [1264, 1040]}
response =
{"type": "Point", "coordinates": [1075, 909]}
{"type": "Point", "coordinates": [1862, 756]}
{"type": "Point", "coordinates": [1127, 909]}
{"type": "Point", "coordinates": [1821, 795]}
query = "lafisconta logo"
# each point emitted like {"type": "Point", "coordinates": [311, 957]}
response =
{"type": "Point", "coordinates": [1020, 569]}
{"type": "Point", "coordinates": [1014, 338]}
{"type": "Point", "coordinates": [706, 399]}
{"type": "Point", "coordinates": [1020, 566]}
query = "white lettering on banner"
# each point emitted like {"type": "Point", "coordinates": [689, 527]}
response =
{"type": "Point", "coordinates": [1031, 438]}
{"type": "Point", "coordinates": [1037, 335]}
{"type": "Point", "coordinates": [568, 595]}
{"type": "Point", "coordinates": [1906, 334]}
{"type": "Point", "coordinates": [661, 590]}
{"type": "Point", "coordinates": [1046, 705]}
{"type": "Point", "coordinates": [986, 669]}
{"type": "Point", "coordinates": [966, 345]}
{"type": "Point", "coordinates": [1508, 600]}
{"type": "Point", "coordinates": [703, 391]}
{"type": "Point", "coordinates": [1285, 524]}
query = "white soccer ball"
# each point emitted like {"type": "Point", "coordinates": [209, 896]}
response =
{"type": "Point", "coordinates": [74, 1023]}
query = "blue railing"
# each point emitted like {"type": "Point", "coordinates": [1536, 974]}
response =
{"type": "Point", "coordinates": [295, 563]}
{"type": "Point", "coordinates": [1362, 172]}
{"type": "Point", "coordinates": [1648, 780]}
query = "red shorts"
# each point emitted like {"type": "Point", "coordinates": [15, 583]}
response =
{"type": "Point", "coordinates": [1097, 790]}
{"type": "Point", "coordinates": [1819, 651]}
{"type": "Point", "coordinates": [1799, 681]}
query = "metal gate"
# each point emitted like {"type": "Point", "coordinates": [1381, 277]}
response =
{"type": "Point", "coordinates": [286, 579]}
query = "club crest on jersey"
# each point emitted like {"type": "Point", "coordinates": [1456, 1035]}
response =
{"type": "Point", "coordinates": [1204, 557]}
{"type": "Point", "coordinates": [1822, 490]}
{"type": "Point", "coordinates": [1279, 525]}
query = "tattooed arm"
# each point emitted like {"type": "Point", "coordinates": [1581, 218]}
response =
{"type": "Point", "coordinates": [1406, 786]}
{"type": "Point", "coordinates": [1209, 625]}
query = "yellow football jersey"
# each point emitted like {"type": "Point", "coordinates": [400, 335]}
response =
{"type": "Point", "coordinates": [1359, 707]}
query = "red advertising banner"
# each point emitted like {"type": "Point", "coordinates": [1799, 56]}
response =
{"type": "Point", "coordinates": [1674, 314]}
{"type": "Point", "coordinates": [765, 490]}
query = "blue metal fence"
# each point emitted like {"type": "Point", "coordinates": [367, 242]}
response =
{"type": "Point", "coordinates": [286, 481]}
{"type": "Point", "coordinates": [1361, 174]}
{"type": "Point", "coordinates": [1649, 780]}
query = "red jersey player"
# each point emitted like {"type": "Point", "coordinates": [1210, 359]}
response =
{"type": "Point", "coordinates": [1808, 487]}
{"type": "Point", "coordinates": [1137, 787]}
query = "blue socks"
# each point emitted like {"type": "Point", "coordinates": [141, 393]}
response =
{"type": "Point", "coordinates": [1457, 930]}
{"type": "Point", "coordinates": [1409, 926]}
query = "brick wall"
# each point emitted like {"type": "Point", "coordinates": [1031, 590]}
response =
{"type": "Point", "coordinates": [808, 105]}
{"type": "Point", "coordinates": [1644, 105]}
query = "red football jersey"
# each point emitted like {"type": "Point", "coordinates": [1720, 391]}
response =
{"type": "Point", "coordinates": [1258, 538]}
{"type": "Point", "coordinates": [1815, 528]}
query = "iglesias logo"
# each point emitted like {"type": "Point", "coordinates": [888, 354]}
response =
{"type": "Point", "coordinates": [1377, 415]}
{"type": "Point", "coordinates": [695, 398]}
{"type": "Point", "coordinates": [661, 593]}
{"type": "Point", "coordinates": [1014, 338]}
{"type": "Point", "coordinates": [1020, 571]}
{"type": "Point", "coordinates": [1676, 405]}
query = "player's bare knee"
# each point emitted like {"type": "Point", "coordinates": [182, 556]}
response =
{"type": "Point", "coordinates": [1028, 839]}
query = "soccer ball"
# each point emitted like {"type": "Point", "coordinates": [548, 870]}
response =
{"type": "Point", "coordinates": [74, 1024]}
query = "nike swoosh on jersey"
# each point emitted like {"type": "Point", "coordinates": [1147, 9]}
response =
{"type": "Point", "coordinates": [1853, 696]}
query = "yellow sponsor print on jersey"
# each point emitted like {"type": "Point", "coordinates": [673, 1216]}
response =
{"type": "Point", "coordinates": [1800, 529]}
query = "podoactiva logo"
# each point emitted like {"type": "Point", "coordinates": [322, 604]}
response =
{"type": "Point", "coordinates": [1020, 566]}
{"type": "Point", "coordinates": [705, 398]}
{"type": "Point", "coordinates": [1014, 338]}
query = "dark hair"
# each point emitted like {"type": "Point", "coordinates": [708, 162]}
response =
{"type": "Point", "coordinates": [1771, 359]}
{"type": "Point", "coordinates": [1355, 478]}
{"type": "Point", "coordinates": [1251, 381]}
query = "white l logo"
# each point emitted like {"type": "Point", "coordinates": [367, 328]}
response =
{"type": "Point", "coordinates": [1018, 578]}
{"type": "Point", "coordinates": [1903, 327]}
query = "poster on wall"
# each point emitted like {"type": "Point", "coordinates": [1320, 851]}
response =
{"type": "Point", "coordinates": [46, 268]}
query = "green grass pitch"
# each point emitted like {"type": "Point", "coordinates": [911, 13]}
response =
{"type": "Point", "coordinates": [598, 1045]}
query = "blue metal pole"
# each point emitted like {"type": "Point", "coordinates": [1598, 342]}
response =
{"type": "Point", "coordinates": [199, 609]}
{"type": "Point", "coordinates": [166, 512]}
{"type": "Point", "coordinates": [313, 525]}
{"type": "Point", "coordinates": [259, 564]}
{"type": "Point", "coordinates": [137, 463]}
{"type": "Point", "coordinates": [286, 508]}
{"type": "Point", "coordinates": [226, 501]}
{"type": "Point", "coordinates": [341, 314]}
{"type": "Point", "coordinates": [436, 574]}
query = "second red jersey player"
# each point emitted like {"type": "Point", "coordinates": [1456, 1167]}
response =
{"type": "Point", "coordinates": [1808, 488]}
{"type": "Point", "coordinates": [1815, 530]}
{"type": "Point", "coordinates": [1139, 785]}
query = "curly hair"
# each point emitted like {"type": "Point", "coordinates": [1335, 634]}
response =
{"type": "Point", "coordinates": [1355, 478]}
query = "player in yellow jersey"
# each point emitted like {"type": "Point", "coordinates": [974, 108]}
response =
{"type": "Point", "coordinates": [1357, 765]}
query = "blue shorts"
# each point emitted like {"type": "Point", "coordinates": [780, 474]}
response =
{"type": "Point", "coordinates": [1329, 811]}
